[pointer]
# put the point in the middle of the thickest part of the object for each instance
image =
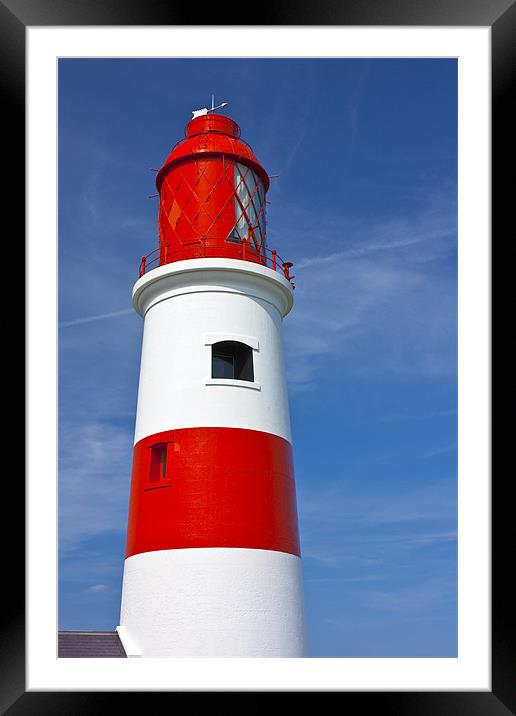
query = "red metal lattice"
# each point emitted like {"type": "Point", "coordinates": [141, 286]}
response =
{"type": "Point", "coordinates": [213, 197]}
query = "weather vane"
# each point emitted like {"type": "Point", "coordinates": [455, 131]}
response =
{"type": "Point", "coordinates": [205, 110]}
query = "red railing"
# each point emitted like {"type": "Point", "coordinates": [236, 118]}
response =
{"type": "Point", "coordinates": [217, 248]}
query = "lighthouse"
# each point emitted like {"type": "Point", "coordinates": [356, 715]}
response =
{"type": "Point", "coordinates": [213, 564]}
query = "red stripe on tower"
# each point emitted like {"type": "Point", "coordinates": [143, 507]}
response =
{"type": "Point", "coordinates": [212, 487]}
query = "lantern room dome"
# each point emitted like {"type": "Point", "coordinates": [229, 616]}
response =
{"type": "Point", "coordinates": [212, 123]}
{"type": "Point", "coordinates": [212, 134]}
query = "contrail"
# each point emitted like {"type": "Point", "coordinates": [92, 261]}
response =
{"type": "Point", "coordinates": [371, 248]}
{"type": "Point", "coordinates": [90, 319]}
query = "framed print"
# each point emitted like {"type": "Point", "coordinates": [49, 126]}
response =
{"type": "Point", "coordinates": [69, 55]}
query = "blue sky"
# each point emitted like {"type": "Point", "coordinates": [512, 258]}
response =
{"type": "Point", "coordinates": [365, 207]}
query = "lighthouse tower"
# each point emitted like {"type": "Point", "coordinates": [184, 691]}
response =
{"type": "Point", "coordinates": [212, 560]}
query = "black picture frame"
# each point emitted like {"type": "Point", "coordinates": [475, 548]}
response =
{"type": "Point", "coordinates": [500, 16]}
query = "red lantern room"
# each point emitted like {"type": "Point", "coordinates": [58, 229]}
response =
{"type": "Point", "coordinates": [212, 193]}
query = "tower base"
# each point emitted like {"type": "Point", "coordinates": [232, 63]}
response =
{"type": "Point", "coordinates": [210, 602]}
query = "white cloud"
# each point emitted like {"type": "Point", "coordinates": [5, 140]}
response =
{"type": "Point", "coordinates": [94, 480]}
{"type": "Point", "coordinates": [381, 305]}
{"type": "Point", "coordinates": [344, 503]}
{"type": "Point", "coordinates": [350, 522]}
{"type": "Point", "coordinates": [96, 588]}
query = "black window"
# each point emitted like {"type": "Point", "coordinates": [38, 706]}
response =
{"type": "Point", "coordinates": [231, 359]}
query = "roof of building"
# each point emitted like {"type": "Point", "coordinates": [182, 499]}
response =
{"type": "Point", "coordinates": [90, 644]}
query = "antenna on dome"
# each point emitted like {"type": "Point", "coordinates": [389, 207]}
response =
{"type": "Point", "coordinates": [205, 110]}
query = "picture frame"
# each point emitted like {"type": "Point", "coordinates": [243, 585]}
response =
{"type": "Point", "coordinates": [16, 16]}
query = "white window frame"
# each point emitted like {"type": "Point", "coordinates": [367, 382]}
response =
{"type": "Point", "coordinates": [251, 341]}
